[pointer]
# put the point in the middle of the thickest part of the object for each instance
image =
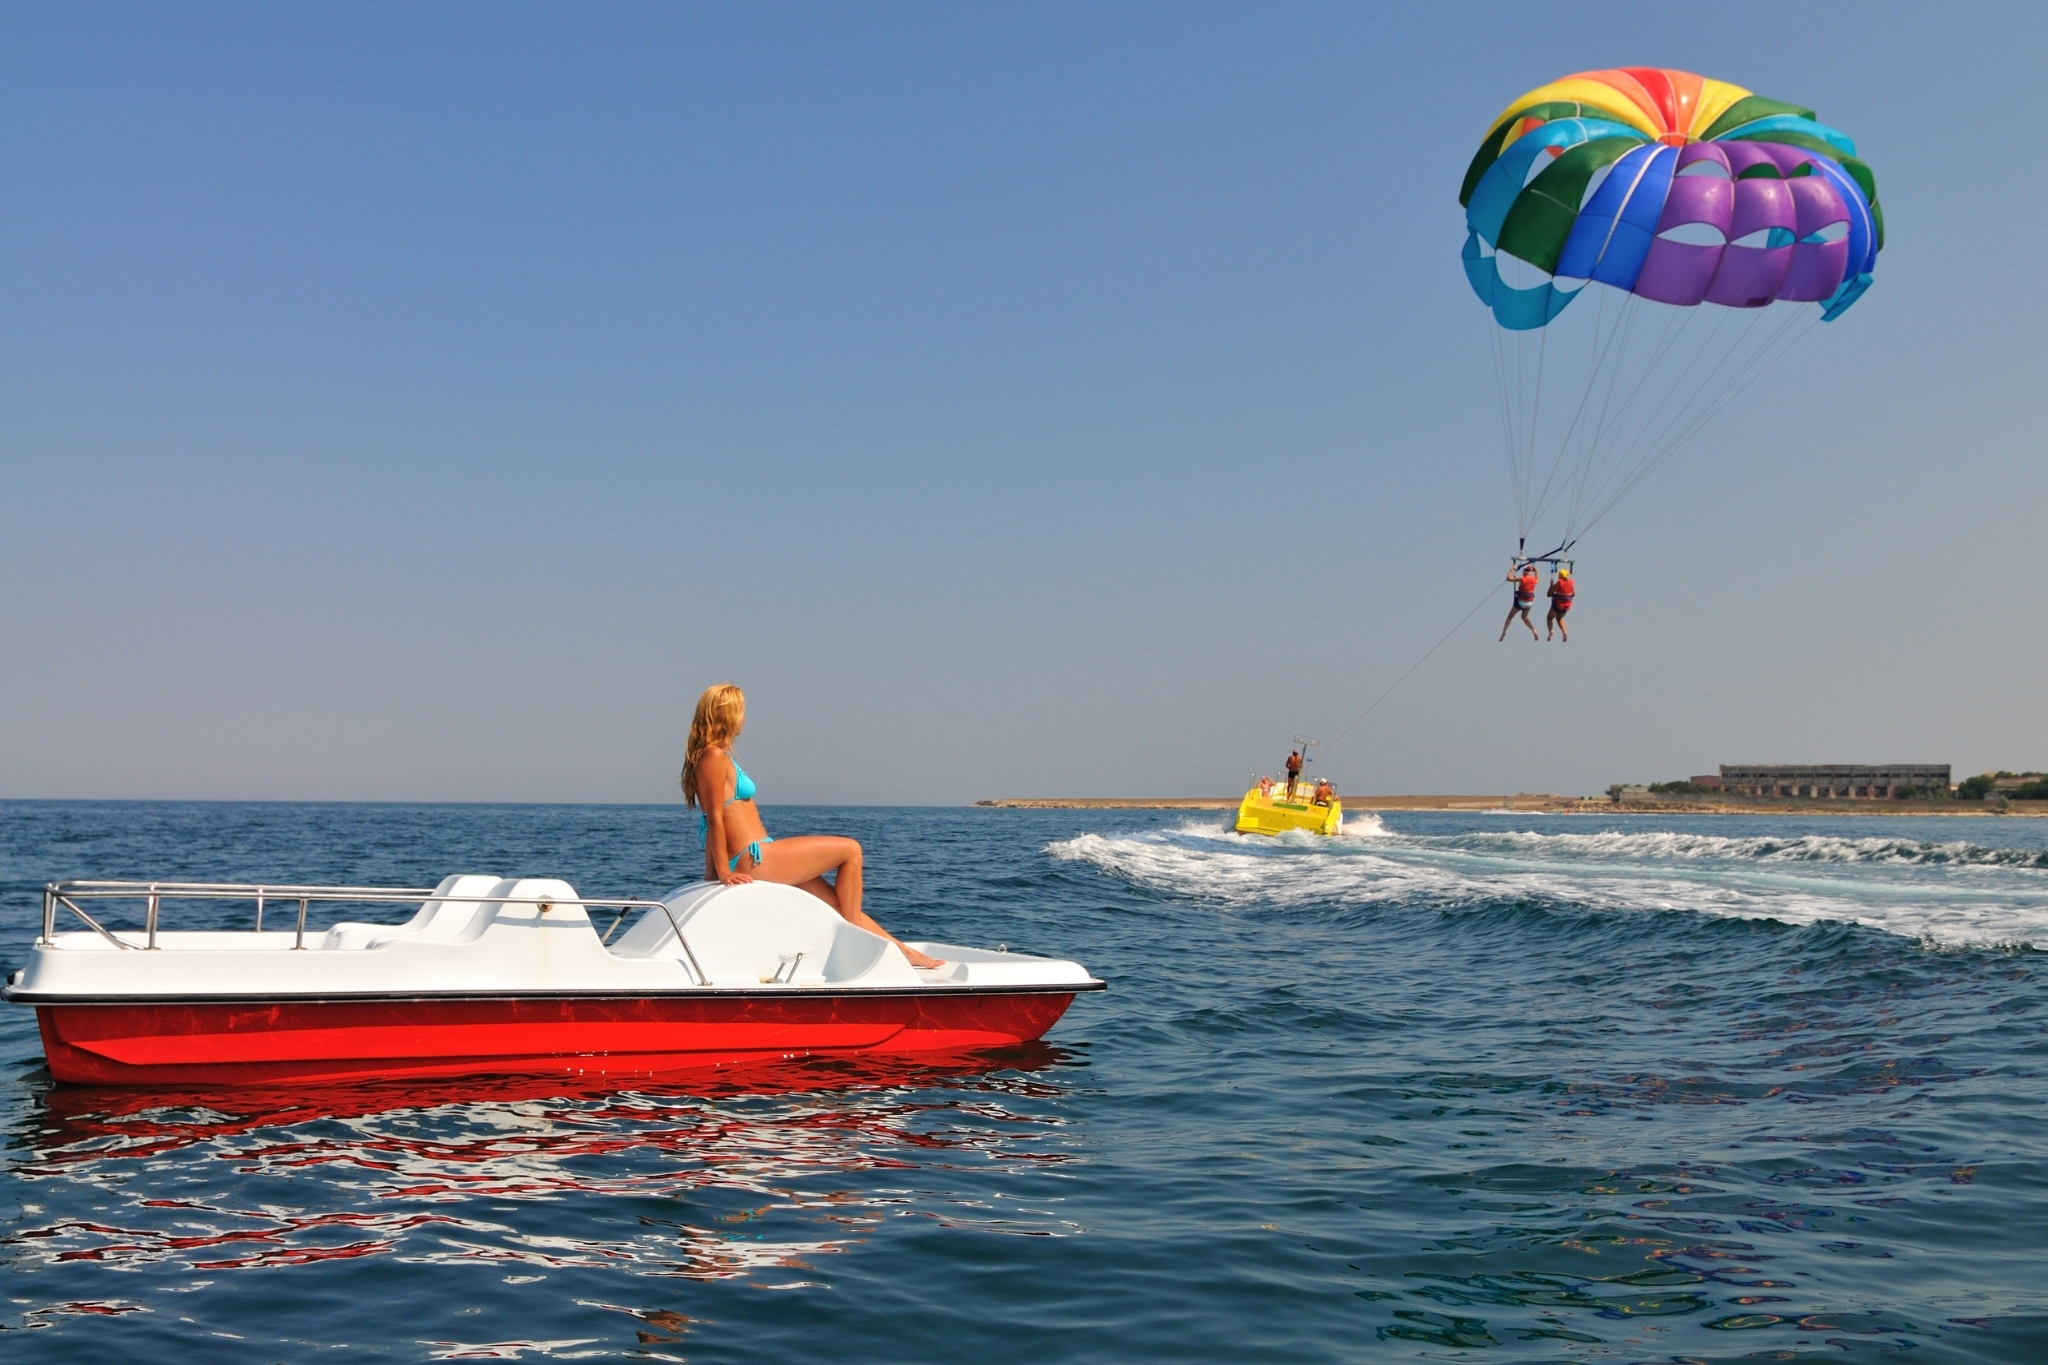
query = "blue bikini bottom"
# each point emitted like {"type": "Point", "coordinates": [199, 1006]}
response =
{"type": "Point", "coordinates": [752, 850]}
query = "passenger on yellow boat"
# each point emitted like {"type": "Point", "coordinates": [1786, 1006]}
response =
{"type": "Point", "coordinates": [1325, 793]}
{"type": "Point", "coordinates": [738, 847]}
{"type": "Point", "coordinates": [1294, 767]}
{"type": "Point", "coordinates": [1266, 787]}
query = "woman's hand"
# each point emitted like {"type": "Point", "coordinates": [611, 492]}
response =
{"type": "Point", "coordinates": [734, 878]}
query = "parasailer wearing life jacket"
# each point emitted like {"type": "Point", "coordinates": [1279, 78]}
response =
{"type": "Point", "coordinates": [1561, 592]}
{"type": "Point", "coordinates": [1523, 576]}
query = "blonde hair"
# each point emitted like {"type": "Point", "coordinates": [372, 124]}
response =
{"type": "Point", "coordinates": [718, 715]}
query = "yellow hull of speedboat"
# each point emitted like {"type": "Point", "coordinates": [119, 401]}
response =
{"type": "Point", "coordinates": [1275, 814]}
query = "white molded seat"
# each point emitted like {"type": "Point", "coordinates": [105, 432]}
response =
{"type": "Point", "coordinates": [438, 918]}
{"type": "Point", "coordinates": [763, 933]}
{"type": "Point", "coordinates": [447, 918]}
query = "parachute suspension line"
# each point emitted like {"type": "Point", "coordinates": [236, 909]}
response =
{"type": "Point", "coordinates": [1521, 403]}
{"type": "Point", "coordinates": [1650, 451]}
{"type": "Point", "coordinates": [1518, 408]}
{"type": "Point", "coordinates": [1676, 321]}
{"type": "Point", "coordinates": [1613, 362]}
{"type": "Point", "coordinates": [1613, 381]}
{"type": "Point", "coordinates": [1627, 463]}
{"type": "Point", "coordinates": [1610, 441]}
{"type": "Point", "coordinates": [1637, 405]}
{"type": "Point", "coordinates": [1511, 418]}
{"type": "Point", "coordinates": [1598, 462]}
{"type": "Point", "coordinates": [1490, 590]}
{"type": "Point", "coordinates": [1753, 370]}
{"type": "Point", "coordinates": [1749, 371]}
{"type": "Point", "coordinates": [1616, 359]}
{"type": "Point", "coordinates": [1536, 405]}
{"type": "Point", "coordinates": [1598, 355]}
{"type": "Point", "coordinates": [1523, 453]}
{"type": "Point", "coordinates": [1507, 423]}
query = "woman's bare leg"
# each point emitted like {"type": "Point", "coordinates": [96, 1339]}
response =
{"type": "Point", "coordinates": [803, 861]}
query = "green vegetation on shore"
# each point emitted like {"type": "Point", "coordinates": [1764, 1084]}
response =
{"type": "Point", "coordinates": [2008, 785]}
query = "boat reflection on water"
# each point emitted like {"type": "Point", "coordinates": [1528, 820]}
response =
{"type": "Point", "coordinates": [758, 1172]}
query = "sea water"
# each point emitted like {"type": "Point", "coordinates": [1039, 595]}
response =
{"type": "Point", "coordinates": [1451, 1087]}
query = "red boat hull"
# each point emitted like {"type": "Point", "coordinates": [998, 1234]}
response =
{"type": "Point", "coordinates": [243, 1043]}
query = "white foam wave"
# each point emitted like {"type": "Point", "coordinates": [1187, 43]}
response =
{"type": "Point", "coordinates": [1803, 848]}
{"type": "Point", "coordinates": [1955, 893]}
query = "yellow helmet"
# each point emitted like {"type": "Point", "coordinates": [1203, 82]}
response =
{"type": "Point", "coordinates": [1563, 572]}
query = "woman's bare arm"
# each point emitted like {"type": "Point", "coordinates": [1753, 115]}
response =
{"type": "Point", "coordinates": [715, 783]}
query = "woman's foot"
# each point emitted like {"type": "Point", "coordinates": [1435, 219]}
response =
{"type": "Point", "coordinates": [921, 960]}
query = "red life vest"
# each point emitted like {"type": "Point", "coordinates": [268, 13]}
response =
{"type": "Point", "coordinates": [1525, 591]}
{"type": "Point", "coordinates": [1562, 590]}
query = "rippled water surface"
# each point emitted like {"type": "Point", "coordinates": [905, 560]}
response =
{"type": "Point", "coordinates": [1450, 1087]}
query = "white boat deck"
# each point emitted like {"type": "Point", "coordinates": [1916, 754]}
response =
{"type": "Point", "coordinates": [484, 935]}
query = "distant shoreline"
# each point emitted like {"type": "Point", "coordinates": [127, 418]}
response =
{"type": "Point", "coordinates": [1539, 804]}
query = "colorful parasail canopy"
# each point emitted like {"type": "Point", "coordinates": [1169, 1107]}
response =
{"type": "Point", "coordinates": [1670, 187]}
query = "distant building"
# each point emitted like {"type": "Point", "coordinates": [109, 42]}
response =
{"type": "Point", "coordinates": [1832, 779]}
{"type": "Point", "coordinates": [1706, 782]}
{"type": "Point", "coordinates": [2006, 784]}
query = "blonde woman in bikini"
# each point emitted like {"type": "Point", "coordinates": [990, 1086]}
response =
{"type": "Point", "coordinates": [737, 846]}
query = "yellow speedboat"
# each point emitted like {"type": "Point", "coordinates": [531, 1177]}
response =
{"type": "Point", "coordinates": [1263, 813]}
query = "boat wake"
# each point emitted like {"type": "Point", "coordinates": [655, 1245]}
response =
{"type": "Point", "coordinates": [1953, 892]}
{"type": "Point", "coordinates": [1808, 848]}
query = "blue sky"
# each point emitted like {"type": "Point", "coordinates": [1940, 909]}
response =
{"type": "Point", "coordinates": [426, 402]}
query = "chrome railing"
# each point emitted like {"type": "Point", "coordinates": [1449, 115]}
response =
{"type": "Point", "coordinates": [153, 894]}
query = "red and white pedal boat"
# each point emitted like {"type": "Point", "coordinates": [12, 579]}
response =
{"type": "Point", "coordinates": [504, 977]}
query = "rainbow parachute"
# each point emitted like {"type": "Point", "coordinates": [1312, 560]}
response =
{"type": "Point", "coordinates": [1669, 186]}
{"type": "Point", "coordinates": [1654, 192]}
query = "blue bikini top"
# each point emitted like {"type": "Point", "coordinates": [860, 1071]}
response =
{"type": "Point", "coordinates": [742, 790]}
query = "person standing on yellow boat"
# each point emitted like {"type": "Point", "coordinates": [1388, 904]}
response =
{"type": "Point", "coordinates": [1294, 766]}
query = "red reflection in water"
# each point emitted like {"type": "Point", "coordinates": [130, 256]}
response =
{"type": "Point", "coordinates": [767, 1136]}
